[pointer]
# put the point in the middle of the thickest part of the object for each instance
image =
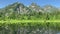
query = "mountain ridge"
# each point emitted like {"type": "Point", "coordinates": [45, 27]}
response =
{"type": "Point", "coordinates": [18, 9]}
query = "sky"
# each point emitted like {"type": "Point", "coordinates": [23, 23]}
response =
{"type": "Point", "coordinates": [56, 3]}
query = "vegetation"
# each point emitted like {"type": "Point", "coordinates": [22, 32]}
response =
{"type": "Point", "coordinates": [19, 19]}
{"type": "Point", "coordinates": [33, 12]}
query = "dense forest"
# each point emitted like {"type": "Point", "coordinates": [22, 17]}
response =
{"type": "Point", "coordinates": [19, 11]}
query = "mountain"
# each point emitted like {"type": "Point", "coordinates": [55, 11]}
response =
{"type": "Point", "coordinates": [35, 7]}
{"type": "Point", "coordinates": [19, 10]}
{"type": "Point", "coordinates": [50, 8]}
{"type": "Point", "coordinates": [15, 9]}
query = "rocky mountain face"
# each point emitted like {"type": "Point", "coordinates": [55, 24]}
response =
{"type": "Point", "coordinates": [15, 8]}
{"type": "Point", "coordinates": [35, 7]}
{"type": "Point", "coordinates": [50, 9]}
{"type": "Point", "coordinates": [19, 8]}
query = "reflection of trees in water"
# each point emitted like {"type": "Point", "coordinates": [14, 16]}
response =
{"type": "Point", "coordinates": [28, 30]}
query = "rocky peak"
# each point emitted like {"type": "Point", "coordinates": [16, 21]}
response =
{"type": "Point", "coordinates": [35, 7]}
{"type": "Point", "coordinates": [49, 8]}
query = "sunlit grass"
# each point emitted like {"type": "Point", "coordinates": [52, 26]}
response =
{"type": "Point", "coordinates": [14, 21]}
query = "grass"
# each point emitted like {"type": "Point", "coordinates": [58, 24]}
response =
{"type": "Point", "coordinates": [30, 21]}
{"type": "Point", "coordinates": [43, 23]}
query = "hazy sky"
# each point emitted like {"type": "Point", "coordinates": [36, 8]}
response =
{"type": "Point", "coordinates": [56, 3]}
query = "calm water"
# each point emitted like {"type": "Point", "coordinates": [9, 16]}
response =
{"type": "Point", "coordinates": [58, 33]}
{"type": "Point", "coordinates": [35, 29]}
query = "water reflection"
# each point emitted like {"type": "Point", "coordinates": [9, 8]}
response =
{"type": "Point", "coordinates": [45, 28]}
{"type": "Point", "coordinates": [58, 32]}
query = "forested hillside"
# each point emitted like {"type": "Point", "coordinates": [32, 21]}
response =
{"type": "Point", "coordinates": [33, 12]}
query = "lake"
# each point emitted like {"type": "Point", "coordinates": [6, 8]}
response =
{"type": "Point", "coordinates": [30, 28]}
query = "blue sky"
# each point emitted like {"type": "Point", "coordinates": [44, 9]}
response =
{"type": "Point", "coordinates": [56, 3]}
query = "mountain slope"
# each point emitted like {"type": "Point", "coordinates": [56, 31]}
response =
{"type": "Point", "coordinates": [19, 10]}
